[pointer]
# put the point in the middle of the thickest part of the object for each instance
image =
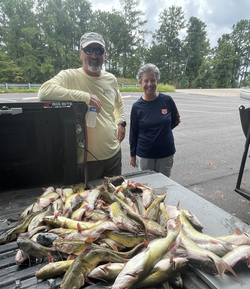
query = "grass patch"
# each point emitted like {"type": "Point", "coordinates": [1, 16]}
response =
{"type": "Point", "coordinates": [127, 81]}
{"type": "Point", "coordinates": [18, 90]}
{"type": "Point", "coordinates": [160, 87]}
{"type": "Point", "coordinates": [121, 80]}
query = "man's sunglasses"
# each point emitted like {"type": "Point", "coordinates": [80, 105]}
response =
{"type": "Point", "coordinates": [91, 50]}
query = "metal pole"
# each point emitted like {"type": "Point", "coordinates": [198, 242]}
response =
{"type": "Point", "coordinates": [243, 161]}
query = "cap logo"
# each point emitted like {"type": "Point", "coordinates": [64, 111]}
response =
{"type": "Point", "coordinates": [93, 35]}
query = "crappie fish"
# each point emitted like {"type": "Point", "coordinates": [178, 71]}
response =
{"type": "Point", "coordinates": [53, 269]}
{"type": "Point", "coordinates": [138, 268]}
{"type": "Point", "coordinates": [75, 276]}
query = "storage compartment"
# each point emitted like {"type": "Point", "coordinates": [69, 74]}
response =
{"type": "Point", "coordinates": [39, 143]}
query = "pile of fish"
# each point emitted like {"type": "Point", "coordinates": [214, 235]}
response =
{"type": "Point", "coordinates": [122, 233]}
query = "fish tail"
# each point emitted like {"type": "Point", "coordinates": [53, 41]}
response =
{"type": "Point", "coordinates": [222, 266]}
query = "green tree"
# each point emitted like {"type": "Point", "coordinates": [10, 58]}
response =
{"type": "Point", "coordinates": [20, 35]}
{"type": "Point", "coordinates": [133, 37]}
{"type": "Point", "coordinates": [206, 76]}
{"type": "Point", "coordinates": [240, 38]}
{"type": "Point", "coordinates": [62, 24]}
{"type": "Point", "coordinates": [9, 72]}
{"type": "Point", "coordinates": [196, 48]}
{"type": "Point", "coordinates": [112, 27]}
{"type": "Point", "coordinates": [167, 37]}
{"type": "Point", "coordinates": [223, 64]}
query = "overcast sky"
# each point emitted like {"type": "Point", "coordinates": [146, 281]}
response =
{"type": "Point", "coordinates": [219, 15]}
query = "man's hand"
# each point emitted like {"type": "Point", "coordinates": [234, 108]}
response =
{"type": "Point", "coordinates": [121, 132]}
{"type": "Point", "coordinates": [95, 101]}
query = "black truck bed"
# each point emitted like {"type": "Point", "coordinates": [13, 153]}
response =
{"type": "Point", "coordinates": [216, 222]}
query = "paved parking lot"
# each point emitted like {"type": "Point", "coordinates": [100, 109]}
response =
{"type": "Point", "coordinates": [209, 143]}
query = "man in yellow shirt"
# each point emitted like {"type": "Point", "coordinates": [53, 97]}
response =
{"type": "Point", "coordinates": [99, 89]}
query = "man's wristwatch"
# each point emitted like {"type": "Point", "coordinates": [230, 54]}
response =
{"type": "Point", "coordinates": [123, 123]}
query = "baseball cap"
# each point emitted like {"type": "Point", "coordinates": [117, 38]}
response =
{"type": "Point", "coordinates": [91, 37]}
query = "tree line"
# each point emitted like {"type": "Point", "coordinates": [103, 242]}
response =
{"type": "Point", "coordinates": [38, 38]}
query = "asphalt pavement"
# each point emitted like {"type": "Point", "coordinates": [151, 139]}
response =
{"type": "Point", "coordinates": [209, 145]}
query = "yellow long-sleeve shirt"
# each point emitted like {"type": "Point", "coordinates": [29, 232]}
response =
{"type": "Point", "coordinates": [76, 85]}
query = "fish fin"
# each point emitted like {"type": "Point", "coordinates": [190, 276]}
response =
{"type": "Point", "coordinates": [71, 257]}
{"type": "Point", "coordinates": [238, 231]}
{"type": "Point", "coordinates": [86, 251]}
{"type": "Point", "coordinates": [90, 240]}
{"type": "Point", "coordinates": [50, 258]}
{"type": "Point", "coordinates": [173, 247]}
{"type": "Point", "coordinates": [113, 247]}
{"type": "Point", "coordinates": [222, 266]}
{"type": "Point", "coordinates": [107, 265]}
{"type": "Point", "coordinates": [79, 229]}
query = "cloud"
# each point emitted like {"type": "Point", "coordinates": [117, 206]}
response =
{"type": "Point", "coordinates": [218, 15]}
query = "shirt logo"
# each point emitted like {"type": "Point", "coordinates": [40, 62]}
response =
{"type": "Point", "coordinates": [106, 91]}
{"type": "Point", "coordinates": [164, 111]}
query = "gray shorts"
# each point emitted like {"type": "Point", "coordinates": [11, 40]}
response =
{"type": "Point", "coordinates": [162, 165]}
